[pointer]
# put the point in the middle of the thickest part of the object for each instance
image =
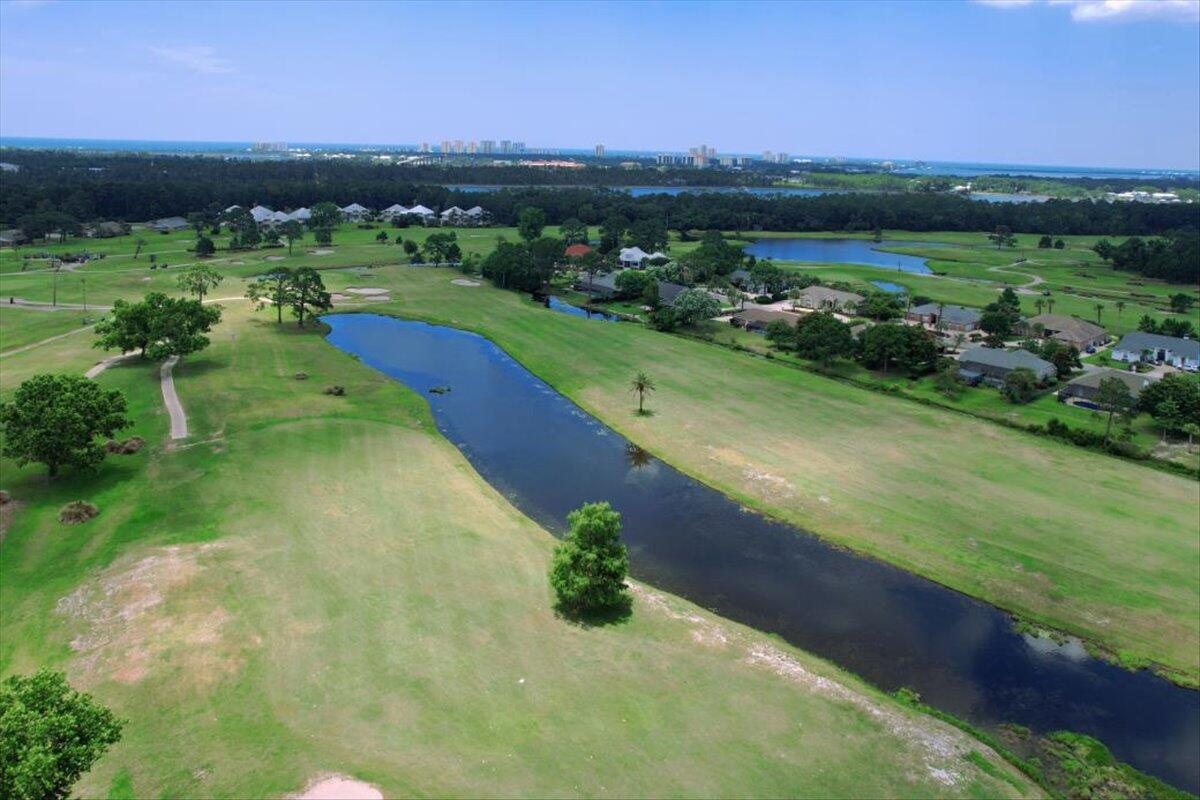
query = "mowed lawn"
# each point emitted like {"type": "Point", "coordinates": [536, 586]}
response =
{"type": "Point", "coordinates": [315, 584]}
{"type": "Point", "coordinates": [1080, 541]}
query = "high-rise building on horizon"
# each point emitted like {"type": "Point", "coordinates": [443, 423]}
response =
{"type": "Point", "coordinates": [518, 147]}
{"type": "Point", "coordinates": [458, 145]}
{"type": "Point", "coordinates": [445, 149]}
{"type": "Point", "coordinates": [424, 147]}
{"type": "Point", "coordinates": [505, 146]}
{"type": "Point", "coordinates": [487, 147]}
{"type": "Point", "coordinates": [472, 147]}
{"type": "Point", "coordinates": [599, 151]}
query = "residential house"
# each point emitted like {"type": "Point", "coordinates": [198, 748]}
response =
{"type": "Point", "coordinates": [424, 212]}
{"type": "Point", "coordinates": [477, 215]}
{"type": "Point", "coordinates": [1072, 331]}
{"type": "Point", "coordinates": [301, 214]}
{"type": "Point", "coordinates": [992, 365]}
{"type": "Point", "coordinates": [355, 213]}
{"type": "Point", "coordinates": [600, 287]}
{"type": "Point", "coordinates": [12, 237]}
{"type": "Point", "coordinates": [742, 278]}
{"type": "Point", "coordinates": [452, 215]}
{"type": "Point", "coordinates": [757, 319]}
{"type": "Point", "coordinates": [261, 214]}
{"type": "Point", "coordinates": [952, 318]}
{"type": "Point", "coordinates": [394, 211]}
{"type": "Point", "coordinates": [633, 257]}
{"type": "Point", "coordinates": [105, 230]}
{"type": "Point", "coordinates": [1087, 385]}
{"type": "Point", "coordinates": [168, 224]}
{"type": "Point", "coordinates": [1180, 353]}
{"type": "Point", "coordinates": [822, 298]}
{"type": "Point", "coordinates": [669, 292]}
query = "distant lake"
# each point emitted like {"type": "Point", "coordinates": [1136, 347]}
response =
{"type": "Point", "coordinates": [841, 251]}
{"type": "Point", "coordinates": [673, 191]}
{"type": "Point", "coordinates": [1002, 197]}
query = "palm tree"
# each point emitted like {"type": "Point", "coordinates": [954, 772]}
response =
{"type": "Point", "coordinates": [1049, 305]}
{"type": "Point", "coordinates": [643, 386]}
{"type": "Point", "coordinates": [1099, 311]}
{"type": "Point", "coordinates": [1120, 306]}
{"type": "Point", "coordinates": [1039, 304]}
{"type": "Point", "coordinates": [140, 244]}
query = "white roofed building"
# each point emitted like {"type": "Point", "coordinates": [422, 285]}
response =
{"type": "Point", "coordinates": [355, 212]}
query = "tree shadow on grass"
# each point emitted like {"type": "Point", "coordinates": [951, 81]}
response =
{"type": "Point", "coordinates": [645, 412]}
{"type": "Point", "coordinates": [617, 614]}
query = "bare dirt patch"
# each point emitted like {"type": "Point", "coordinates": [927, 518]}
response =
{"type": "Point", "coordinates": [338, 787]}
{"type": "Point", "coordinates": [464, 282]}
{"type": "Point", "coordinates": [157, 614]}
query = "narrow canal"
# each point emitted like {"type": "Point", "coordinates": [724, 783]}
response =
{"type": "Point", "coordinates": [895, 629]}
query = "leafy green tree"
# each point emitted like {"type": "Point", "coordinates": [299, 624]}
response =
{"type": "Point", "coordinates": [323, 236]}
{"type": "Point", "coordinates": [530, 222]}
{"type": "Point", "coordinates": [1182, 302]}
{"type": "Point", "coordinates": [157, 326]}
{"type": "Point", "coordinates": [695, 305]}
{"type": "Point", "coordinates": [199, 221]}
{"type": "Point", "coordinates": [1059, 244]}
{"type": "Point", "coordinates": [293, 231]}
{"type": "Point", "coordinates": [1064, 357]}
{"type": "Point", "coordinates": [946, 381]}
{"type": "Point", "coordinates": [307, 294]}
{"type": "Point", "coordinates": [410, 247]}
{"type": "Point", "coordinates": [767, 277]}
{"type": "Point", "coordinates": [573, 231]}
{"type": "Point", "coordinates": [50, 735]}
{"type": "Point", "coordinates": [324, 216]}
{"type": "Point", "coordinates": [781, 334]}
{"type": "Point", "coordinates": [1180, 393]}
{"type": "Point", "coordinates": [823, 338]}
{"type": "Point", "coordinates": [642, 385]}
{"type": "Point", "coordinates": [907, 346]}
{"type": "Point", "coordinates": [274, 288]}
{"type": "Point", "coordinates": [437, 246]}
{"type": "Point", "coordinates": [632, 283]}
{"type": "Point", "coordinates": [139, 243]}
{"type": "Point", "coordinates": [589, 566]}
{"type": "Point", "coordinates": [1020, 386]}
{"type": "Point", "coordinates": [1003, 237]}
{"type": "Point", "coordinates": [880, 306]}
{"type": "Point", "coordinates": [55, 419]}
{"type": "Point", "coordinates": [611, 232]}
{"type": "Point", "coordinates": [1045, 243]}
{"type": "Point", "coordinates": [382, 237]}
{"type": "Point", "coordinates": [648, 234]}
{"type": "Point", "coordinates": [1114, 397]}
{"type": "Point", "coordinates": [205, 247]}
{"type": "Point", "coordinates": [199, 279]}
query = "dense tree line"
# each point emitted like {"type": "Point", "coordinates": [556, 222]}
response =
{"type": "Point", "coordinates": [135, 188]}
{"type": "Point", "coordinates": [1174, 258]}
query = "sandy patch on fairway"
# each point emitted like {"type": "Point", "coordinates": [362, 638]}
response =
{"type": "Point", "coordinates": [464, 282]}
{"type": "Point", "coordinates": [338, 297]}
{"type": "Point", "coordinates": [366, 291]}
{"type": "Point", "coordinates": [155, 613]}
{"type": "Point", "coordinates": [942, 749]}
{"type": "Point", "coordinates": [321, 252]}
{"type": "Point", "coordinates": [274, 258]}
{"type": "Point", "coordinates": [338, 787]}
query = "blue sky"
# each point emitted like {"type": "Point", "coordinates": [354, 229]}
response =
{"type": "Point", "coordinates": [1080, 82]}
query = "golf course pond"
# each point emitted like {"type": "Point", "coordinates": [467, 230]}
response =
{"type": "Point", "coordinates": [840, 251]}
{"type": "Point", "coordinates": [893, 628]}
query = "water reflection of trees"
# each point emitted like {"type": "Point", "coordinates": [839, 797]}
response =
{"type": "Point", "coordinates": [636, 457]}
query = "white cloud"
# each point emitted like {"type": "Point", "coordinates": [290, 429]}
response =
{"type": "Point", "coordinates": [1116, 10]}
{"type": "Point", "coordinates": [197, 58]}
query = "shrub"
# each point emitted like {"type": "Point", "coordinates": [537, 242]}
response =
{"type": "Point", "coordinates": [77, 511]}
{"type": "Point", "coordinates": [763, 299]}
{"type": "Point", "coordinates": [301, 376]}
{"type": "Point", "coordinates": [336, 391]}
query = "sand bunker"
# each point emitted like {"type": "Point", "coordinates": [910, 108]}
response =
{"type": "Point", "coordinates": [464, 282]}
{"type": "Point", "coordinates": [367, 290]}
{"type": "Point", "coordinates": [274, 258]}
{"type": "Point", "coordinates": [338, 787]}
{"type": "Point", "coordinates": [338, 297]}
{"type": "Point", "coordinates": [321, 252]}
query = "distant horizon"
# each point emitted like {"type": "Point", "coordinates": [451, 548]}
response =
{"type": "Point", "coordinates": [1038, 83]}
{"type": "Point", "coordinates": [6, 140]}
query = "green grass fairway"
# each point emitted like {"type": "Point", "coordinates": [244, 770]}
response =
{"type": "Point", "coordinates": [316, 584]}
{"type": "Point", "coordinates": [1073, 539]}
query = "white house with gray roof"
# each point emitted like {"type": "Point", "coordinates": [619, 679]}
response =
{"type": "Point", "coordinates": [1138, 346]}
{"type": "Point", "coordinates": [355, 212]}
